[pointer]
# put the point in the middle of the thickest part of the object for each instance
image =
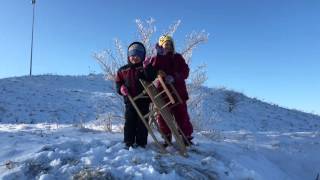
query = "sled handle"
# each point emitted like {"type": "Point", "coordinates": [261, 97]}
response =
{"type": "Point", "coordinates": [176, 93]}
{"type": "Point", "coordinates": [166, 89]}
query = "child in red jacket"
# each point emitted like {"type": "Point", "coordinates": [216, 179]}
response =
{"type": "Point", "coordinates": [176, 71]}
{"type": "Point", "coordinates": [127, 83]}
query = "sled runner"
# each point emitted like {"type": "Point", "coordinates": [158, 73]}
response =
{"type": "Point", "coordinates": [144, 120]}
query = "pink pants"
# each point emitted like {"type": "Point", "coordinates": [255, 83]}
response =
{"type": "Point", "coordinates": [180, 112]}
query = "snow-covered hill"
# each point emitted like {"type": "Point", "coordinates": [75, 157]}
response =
{"type": "Point", "coordinates": [40, 137]}
{"type": "Point", "coordinates": [69, 99]}
{"type": "Point", "coordinates": [250, 114]}
{"type": "Point", "coordinates": [63, 99]}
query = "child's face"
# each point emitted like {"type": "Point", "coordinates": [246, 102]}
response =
{"type": "Point", "coordinates": [134, 59]}
{"type": "Point", "coordinates": [167, 47]}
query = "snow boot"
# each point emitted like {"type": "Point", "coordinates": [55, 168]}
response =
{"type": "Point", "coordinates": [188, 142]}
{"type": "Point", "coordinates": [166, 144]}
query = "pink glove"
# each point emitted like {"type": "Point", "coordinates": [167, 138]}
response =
{"type": "Point", "coordinates": [146, 62]}
{"type": "Point", "coordinates": [124, 90]}
{"type": "Point", "coordinates": [156, 83]}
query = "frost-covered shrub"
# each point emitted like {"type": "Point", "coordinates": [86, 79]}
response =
{"type": "Point", "coordinates": [111, 60]}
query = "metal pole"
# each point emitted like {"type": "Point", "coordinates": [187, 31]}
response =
{"type": "Point", "coordinates": [33, 4]}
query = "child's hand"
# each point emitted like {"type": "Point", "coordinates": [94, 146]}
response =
{"type": "Point", "coordinates": [146, 62]}
{"type": "Point", "coordinates": [156, 83]}
{"type": "Point", "coordinates": [169, 79]}
{"type": "Point", "coordinates": [159, 49]}
{"type": "Point", "coordinates": [124, 90]}
{"type": "Point", "coordinates": [162, 73]}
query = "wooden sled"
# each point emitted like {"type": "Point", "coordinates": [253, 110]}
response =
{"type": "Point", "coordinates": [144, 120]}
{"type": "Point", "coordinates": [163, 101]}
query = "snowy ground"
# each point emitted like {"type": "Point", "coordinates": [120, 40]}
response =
{"type": "Point", "coordinates": [43, 152]}
{"type": "Point", "coordinates": [256, 141]}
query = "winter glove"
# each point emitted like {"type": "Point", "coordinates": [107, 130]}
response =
{"type": "Point", "coordinates": [124, 90]}
{"type": "Point", "coordinates": [146, 62]}
{"type": "Point", "coordinates": [169, 79]}
{"type": "Point", "coordinates": [159, 50]}
{"type": "Point", "coordinates": [156, 83]}
{"type": "Point", "coordinates": [162, 73]}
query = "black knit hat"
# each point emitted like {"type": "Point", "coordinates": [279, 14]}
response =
{"type": "Point", "coordinates": [137, 49]}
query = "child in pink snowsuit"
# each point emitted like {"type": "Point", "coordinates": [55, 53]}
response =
{"type": "Point", "coordinates": [176, 71]}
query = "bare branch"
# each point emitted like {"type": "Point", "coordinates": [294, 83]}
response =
{"type": "Point", "coordinates": [192, 41]}
{"type": "Point", "coordinates": [120, 50]}
{"type": "Point", "coordinates": [196, 81]}
{"type": "Point", "coordinates": [173, 28]}
{"type": "Point", "coordinates": [145, 33]}
{"type": "Point", "coordinates": [197, 78]}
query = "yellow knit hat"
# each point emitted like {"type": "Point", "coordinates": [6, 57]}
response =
{"type": "Point", "coordinates": [165, 38]}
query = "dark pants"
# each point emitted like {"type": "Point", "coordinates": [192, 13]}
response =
{"type": "Point", "coordinates": [134, 129]}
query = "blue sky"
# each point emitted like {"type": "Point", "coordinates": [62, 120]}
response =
{"type": "Point", "coordinates": [265, 49]}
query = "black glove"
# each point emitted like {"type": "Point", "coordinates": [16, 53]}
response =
{"type": "Point", "coordinates": [159, 49]}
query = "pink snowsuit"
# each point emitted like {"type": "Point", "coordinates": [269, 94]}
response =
{"type": "Point", "coordinates": [175, 65]}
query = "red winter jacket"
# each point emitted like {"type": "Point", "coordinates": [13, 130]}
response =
{"type": "Point", "coordinates": [176, 66]}
{"type": "Point", "coordinates": [129, 76]}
